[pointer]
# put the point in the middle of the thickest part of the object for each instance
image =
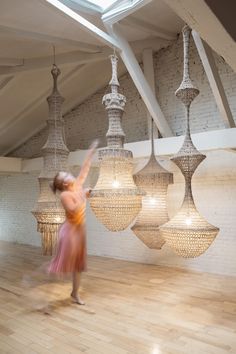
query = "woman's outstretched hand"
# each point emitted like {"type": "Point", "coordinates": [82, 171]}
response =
{"type": "Point", "coordinates": [94, 144]}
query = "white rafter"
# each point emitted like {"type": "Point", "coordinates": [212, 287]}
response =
{"type": "Point", "coordinates": [86, 25]}
{"type": "Point", "coordinates": [214, 79]}
{"type": "Point", "coordinates": [198, 15]}
{"type": "Point", "coordinates": [141, 83]}
{"type": "Point", "coordinates": [148, 69]}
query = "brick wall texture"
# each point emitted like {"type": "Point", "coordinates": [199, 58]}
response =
{"type": "Point", "coordinates": [214, 185]}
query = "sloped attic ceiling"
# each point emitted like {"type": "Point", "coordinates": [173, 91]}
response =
{"type": "Point", "coordinates": [28, 29]}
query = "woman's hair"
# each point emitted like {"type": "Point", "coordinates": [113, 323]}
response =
{"type": "Point", "coordinates": [58, 183]}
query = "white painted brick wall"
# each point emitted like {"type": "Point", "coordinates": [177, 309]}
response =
{"type": "Point", "coordinates": [214, 186]}
{"type": "Point", "coordinates": [168, 76]}
{"type": "Point", "coordinates": [89, 119]}
{"type": "Point", "coordinates": [214, 189]}
{"type": "Point", "coordinates": [18, 194]}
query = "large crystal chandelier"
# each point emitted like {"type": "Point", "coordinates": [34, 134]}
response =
{"type": "Point", "coordinates": [154, 180]}
{"type": "Point", "coordinates": [115, 199]}
{"type": "Point", "coordinates": [188, 233]}
{"type": "Point", "coordinates": [48, 211]}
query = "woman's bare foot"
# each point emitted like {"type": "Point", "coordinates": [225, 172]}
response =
{"type": "Point", "coordinates": [77, 299]}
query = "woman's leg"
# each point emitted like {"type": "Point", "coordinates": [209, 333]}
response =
{"type": "Point", "coordinates": [76, 282]}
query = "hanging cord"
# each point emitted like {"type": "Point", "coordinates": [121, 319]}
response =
{"type": "Point", "coordinates": [55, 134]}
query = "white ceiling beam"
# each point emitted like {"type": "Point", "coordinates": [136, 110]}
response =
{"type": "Point", "coordinates": [223, 139]}
{"type": "Point", "coordinates": [198, 15]}
{"type": "Point", "coordinates": [75, 57]}
{"type": "Point", "coordinates": [148, 69]}
{"type": "Point", "coordinates": [214, 79]}
{"type": "Point", "coordinates": [141, 83]}
{"type": "Point", "coordinates": [11, 32]}
{"type": "Point", "coordinates": [85, 24]}
{"type": "Point", "coordinates": [149, 28]}
{"type": "Point", "coordinates": [125, 9]}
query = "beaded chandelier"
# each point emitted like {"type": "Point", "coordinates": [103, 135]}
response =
{"type": "Point", "coordinates": [188, 233]}
{"type": "Point", "coordinates": [115, 200]}
{"type": "Point", "coordinates": [154, 180]}
{"type": "Point", "coordinates": [48, 212]}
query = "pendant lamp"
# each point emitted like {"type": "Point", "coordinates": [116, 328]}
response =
{"type": "Point", "coordinates": [188, 233]}
{"type": "Point", "coordinates": [115, 199]}
{"type": "Point", "coordinates": [48, 211]}
{"type": "Point", "coordinates": [154, 180]}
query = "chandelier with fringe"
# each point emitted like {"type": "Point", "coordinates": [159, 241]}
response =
{"type": "Point", "coordinates": [154, 180]}
{"type": "Point", "coordinates": [115, 199]}
{"type": "Point", "coordinates": [188, 233]}
{"type": "Point", "coordinates": [48, 211]}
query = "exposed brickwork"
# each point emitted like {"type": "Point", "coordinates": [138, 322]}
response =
{"type": "Point", "coordinates": [89, 119]}
{"type": "Point", "coordinates": [214, 186]}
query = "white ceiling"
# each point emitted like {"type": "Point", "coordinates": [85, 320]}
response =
{"type": "Point", "coordinates": [29, 28]}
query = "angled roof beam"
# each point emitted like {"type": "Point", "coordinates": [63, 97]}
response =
{"type": "Point", "coordinates": [140, 82]}
{"type": "Point", "coordinates": [148, 69]}
{"type": "Point", "coordinates": [86, 25]}
{"type": "Point", "coordinates": [123, 10]}
{"type": "Point", "coordinates": [75, 57]}
{"type": "Point", "coordinates": [214, 79]}
{"type": "Point", "coordinates": [198, 15]}
{"type": "Point", "coordinates": [148, 28]}
{"type": "Point", "coordinates": [19, 33]}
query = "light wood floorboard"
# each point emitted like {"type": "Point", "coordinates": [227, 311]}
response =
{"type": "Point", "coordinates": [130, 308]}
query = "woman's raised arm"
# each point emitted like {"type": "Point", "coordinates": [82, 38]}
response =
{"type": "Point", "coordinates": [86, 164]}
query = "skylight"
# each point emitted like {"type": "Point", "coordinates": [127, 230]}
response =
{"type": "Point", "coordinates": [104, 4]}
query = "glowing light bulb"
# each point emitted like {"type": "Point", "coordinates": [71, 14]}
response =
{"type": "Point", "coordinates": [156, 350]}
{"type": "Point", "coordinates": [116, 184]}
{"type": "Point", "coordinates": [152, 200]}
{"type": "Point", "coordinates": [188, 221]}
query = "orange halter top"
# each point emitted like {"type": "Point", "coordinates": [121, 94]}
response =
{"type": "Point", "coordinates": [78, 217]}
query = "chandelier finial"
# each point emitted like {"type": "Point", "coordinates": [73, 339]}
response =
{"type": "Point", "coordinates": [114, 83]}
{"type": "Point", "coordinates": [186, 91]}
{"type": "Point", "coordinates": [55, 73]}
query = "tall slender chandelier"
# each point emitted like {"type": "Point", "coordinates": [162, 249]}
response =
{"type": "Point", "coordinates": [115, 200]}
{"type": "Point", "coordinates": [188, 233]}
{"type": "Point", "coordinates": [48, 211]}
{"type": "Point", "coordinates": [154, 180]}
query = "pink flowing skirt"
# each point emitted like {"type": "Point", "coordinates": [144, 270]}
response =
{"type": "Point", "coordinates": [71, 250]}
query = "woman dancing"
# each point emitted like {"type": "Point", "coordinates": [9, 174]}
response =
{"type": "Point", "coordinates": [71, 251]}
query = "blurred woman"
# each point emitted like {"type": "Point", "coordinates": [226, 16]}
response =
{"type": "Point", "coordinates": [71, 252]}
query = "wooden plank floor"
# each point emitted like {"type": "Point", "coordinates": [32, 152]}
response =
{"type": "Point", "coordinates": [130, 308]}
